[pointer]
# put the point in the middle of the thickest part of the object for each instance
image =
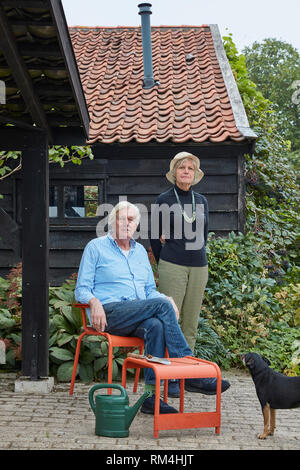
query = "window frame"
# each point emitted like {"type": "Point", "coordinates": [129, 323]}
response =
{"type": "Point", "coordinates": [61, 183]}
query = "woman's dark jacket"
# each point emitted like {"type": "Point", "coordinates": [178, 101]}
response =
{"type": "Point", "coordinates": [175, 250]}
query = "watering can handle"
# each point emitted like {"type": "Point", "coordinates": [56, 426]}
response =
{"type": "Point", "coordinates": [96, 387]}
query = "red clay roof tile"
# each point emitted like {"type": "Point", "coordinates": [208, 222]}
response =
{"type": "Point", "coordinates": [191, 102]}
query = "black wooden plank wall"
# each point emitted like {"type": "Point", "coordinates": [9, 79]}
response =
{"type": "Point", "coordinates": [141, 178]}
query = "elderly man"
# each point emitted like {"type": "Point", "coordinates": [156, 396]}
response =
{"type": "Point", "coordinates": [115, 278]}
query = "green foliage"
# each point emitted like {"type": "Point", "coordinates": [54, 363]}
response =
{"type": "Point", "coordinates": [65, 327]}
{"type": "Point", "coordinates": [294, 159]}
{"type": "Point", "coordinates": [252, 296]}
{"type": "Point", "coordinates": [11, 315]}
{"type": "Point", "coordinates": [274, 66]}
{"type": "Point", "coordinates": [209, 346]}
{"type": "Point", "coordinates": [246, 308]}
{"type": "Point", "coordinates": [11, 161]}
{"type": "Point", "coordinates": [256, 105]}
{"type": "Point", "coordinates": [74, 154]}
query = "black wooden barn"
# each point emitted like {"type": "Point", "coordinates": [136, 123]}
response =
{"type": "Point", "coordinates": [134, 132]}
{"type": "Point", "coordinates": [41, 81]}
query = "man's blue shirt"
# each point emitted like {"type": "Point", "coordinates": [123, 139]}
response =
{"type": "Point", "coordinates": [107, 274]}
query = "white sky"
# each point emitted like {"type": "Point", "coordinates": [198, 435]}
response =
{"type": "Point", "coordinates": [248, 21]}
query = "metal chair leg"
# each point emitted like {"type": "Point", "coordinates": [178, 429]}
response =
{"type": "Point", "coordinates": [76, 358]}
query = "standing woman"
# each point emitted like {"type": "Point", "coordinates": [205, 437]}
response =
{"type": "Point", "coordinates": [178, 241]}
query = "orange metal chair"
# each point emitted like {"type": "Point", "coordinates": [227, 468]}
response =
{"type": "Point", "coordinates": [113, 341]}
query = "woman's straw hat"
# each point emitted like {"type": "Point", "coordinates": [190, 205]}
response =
{"type": "Point", "coordinates": [180, 156]}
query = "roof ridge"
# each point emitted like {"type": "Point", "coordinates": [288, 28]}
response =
{"type": "Point", "coordinates": [138, 27]}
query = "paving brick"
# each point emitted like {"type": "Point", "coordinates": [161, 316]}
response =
{"type": "Point", "coordinates": [60, 421]}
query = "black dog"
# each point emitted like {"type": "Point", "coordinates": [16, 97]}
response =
{"type": "Point", "coordinates": [274, 390]}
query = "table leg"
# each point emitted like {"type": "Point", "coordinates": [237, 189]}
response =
{"type": "Point", "coordinates": [166, 391]}
{"type": "Point", "coordinates": [218, 397]}
{"type": "Point", "coordinates": [181, 406]}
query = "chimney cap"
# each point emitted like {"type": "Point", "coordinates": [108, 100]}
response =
{"type": "Point", "coordinates": [145, 8]}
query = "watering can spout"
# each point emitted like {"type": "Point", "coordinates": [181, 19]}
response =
{"type": "Point", "coordinates": [131, 411]}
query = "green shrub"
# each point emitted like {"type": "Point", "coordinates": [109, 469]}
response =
{"type": "Point", "coordinates": [252, 296]}
{"type": "Point", "coordinates": [245, 307]}
{"type": "Point", "coordinates": [11, 315]}
{"type": "Point", "coordinates": [65, 326]}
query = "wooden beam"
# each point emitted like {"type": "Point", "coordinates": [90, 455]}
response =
{"type": "Point", "coordinates": [38, 67]}
{"type": "Point", "coordinates": [70, 60]}
{"type": "Point", "coordinates": [13, 138]}
{"type": "Point", "coordinates": [55, 90]}
{"type": "Point", "coordinates": [37, 50]}
{"type": "Point", "coordinates": [24, 3]}
{"type": "Point", "coordinates": [9, 48]}
{"type": "Point", "coordinates": [31, 21]}
{"type": "Point", "coordinates": [35, 259]}
{"type": "Point", "coordinates": [20, 123]}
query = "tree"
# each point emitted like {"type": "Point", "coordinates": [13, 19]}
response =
{"type": "Point", "coordinates": [272, 193]}
{"type": "Point", "coordinates": [274, 66]}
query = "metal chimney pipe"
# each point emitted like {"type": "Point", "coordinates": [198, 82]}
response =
{"type": "Point", "coordinates": [145, 12]}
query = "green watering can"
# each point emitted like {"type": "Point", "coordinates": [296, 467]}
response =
{"type": "Point", "coordinates": [113, 415]}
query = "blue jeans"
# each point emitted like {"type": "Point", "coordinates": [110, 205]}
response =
{"type": "Point", "coordinates": [155, 321]}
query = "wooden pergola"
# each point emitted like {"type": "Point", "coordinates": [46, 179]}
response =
{"type": "Point", "coordinates": [44, 105]}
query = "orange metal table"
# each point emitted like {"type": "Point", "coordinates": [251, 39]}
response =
{"type": "Point", "coordinates": [180, 368]}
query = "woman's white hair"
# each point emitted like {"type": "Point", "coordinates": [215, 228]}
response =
{"type": "Point", "coordinates": [122, 205]}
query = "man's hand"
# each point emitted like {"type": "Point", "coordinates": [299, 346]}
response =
{"type": "Point", "coordinates": [98, 317]}
{"type": "Point", "coordinates": [174, 306]}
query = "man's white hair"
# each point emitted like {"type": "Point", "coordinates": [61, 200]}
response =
{"type": "Point", "coordinates": [122, 205]}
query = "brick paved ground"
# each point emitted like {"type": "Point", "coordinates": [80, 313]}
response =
{"type": "Point", "coordinates": [57, 421]}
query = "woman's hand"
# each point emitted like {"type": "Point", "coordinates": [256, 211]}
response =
{"type": "Point", "coordinates": [98, 317]}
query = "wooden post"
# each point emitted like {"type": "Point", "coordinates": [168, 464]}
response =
{"type": "Point", "coordinates": [35, 258]}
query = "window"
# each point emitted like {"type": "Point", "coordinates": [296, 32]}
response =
{"type": "Point", "coordinates": [74, 201]}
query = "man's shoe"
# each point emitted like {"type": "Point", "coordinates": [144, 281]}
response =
{"type": "Point", "coordinates": [173, 388]}
{"type": "Point", "coordinates": [149, 404]}
{"type": "Point", "coordinates": [205, 386]}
